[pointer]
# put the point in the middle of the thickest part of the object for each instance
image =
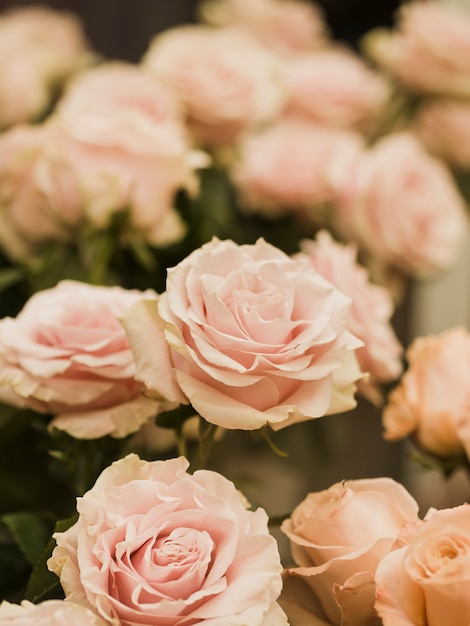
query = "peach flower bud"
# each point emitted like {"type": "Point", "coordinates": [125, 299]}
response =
{"type": "Point", "coordinates": [338, 537]}
{"type": "Point", "coordinates": [287, 26]}
{"type": "Point", "coordinates": [225, 78]}
{"type": "Point", "coordinates": [432, 401]}
{"type": "Point", "coordinates": [47, 613]}
{"type": "Point", "coordinates": [426, 581]}
{"type": "Point", "coordinates": [336, 88]}
{"type": "Point", "coordinates": [430, 49]}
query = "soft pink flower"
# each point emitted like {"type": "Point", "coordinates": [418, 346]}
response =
{"type": "Point", "coordinates": [123, 137]}
{"type": "Point", "coordinates": [432, 401]}
{"type": "Point", "coordinates": [289, 167]}
{"type": "Point", "coordinates": [402, 206]}
{"type": "Point", "coordinates": [47, 613]}
{"type": "Point", "coordinates": [67, 354]}
{"type": "Point", "coordinates": [248, 336]}
{"type": "Point", "coordinates": [225, 78]}
{"type": "Point", "coordinates": [335, 87]}
{"type": "Point", "coordinates": [39, 47]}
{"type": "Point", "coordinates": [287, 26]}
{"type": "Point", "coordinates": [426, 579]}
{"type": "Point", "coordinates": [430, 49]}
{"type": "Point", "coordinates": [371, 309]}
{"type": "Point", "coordinates": [154, 544]}
{"type": "Point", "coordinates": [338, 536]}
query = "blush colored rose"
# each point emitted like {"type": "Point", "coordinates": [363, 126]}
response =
{"type": "Point", "coordinates": [338, 536]}
{"type": "Point", "coordinates": [154, 544]}
{"type": "Point", "coordinates": [248, 336]}
{"type": "Point", "coordinates": [67, 354]}
{"type": "Point", "coordinates": [336, 88]}
{"type": "Point", "coordinates": [121, 134]}
{"type": "Point", "coordinates": [39, 47]}
{"type": "Point", "coordinates": [371, 309]}
{"type": "Point", "coordinates": [47, 613]}
{"type": "Point", "coordinates": [226, 80]}
{"type": "Point", "coordinates": [443, 125]}
{"type": "Point", "coordinates": [432, 401]}
{"type": "Point", "coordinates": [289, 167]}
{"type": "Point", "coordinates": [402, 206]}
{"type": "Point", "coordinates": [430, 49]}
{"type": "Point", "coordinates": [287, 26]}
{"type": "Point", "coordinates": [426, 581]}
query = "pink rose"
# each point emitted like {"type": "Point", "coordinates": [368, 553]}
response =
{"type": "Point", "coordinates": [288, 26]}
{"type": "Point", "coordinates": [289, 167]}
{"type": "Point", "coordinates": [432, 401]}
{"type": "Point", "coordinates": [430, 49]}
{"type": "Point", "coordinates": [336, 88]}
{"type": "Point", "coordinates": [402, 206]}
{"type": "Point", "coordinates": [39, 47]}
{"type": "Point", "coordinates": [67, 354]}
{"type": "Point", "coordinates": [122, 135]}
{"type": "Point", "coordinates": [154, 544]}
{"type": "Point", "coordinates": [225, 78]}
{"type": "Point", "coordinates": [426, 581]}
{"type": "Point", "coordinates": [47, 613]}
{"type": "Point", "coordinates": [371, 309]}
{"type": "Point", "coordinates": [338, 536]}
{"type": "Point", "coordinates": [443, 125]}
{"type": "Point", "coordinates": [248, 336]}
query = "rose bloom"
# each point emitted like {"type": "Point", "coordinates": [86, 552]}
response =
{"type": "Point", "coordinates": [402, 206]}
{"type": "Point", "coordinates": [154, 544]}
{"type": "Point", "coordinates": [67, 354]}
{"type": "Point", "coordinates": [40, 48]}
{"type": "Point", "coordinates": [336, 88]}
{"type": "Point", "coordinates": [338, 536]}
{"type": "Point", "coordinates": [426, 580]}
{"type": "Point", "coordinates": [248, 336]}
{"type": "Point", "coordinates": [371, 309]}
{"type": "Point", "coordinates": [287, 26]}
{"type": "Point", "coordinates": [225, 78]}
{"type": "Point", "coordinates": [288, 167]}
{"type": "Point", "coordinates": [443, 125]}
{"type": "Point", "coordinates": [432, 401]}
{"type": "Point", "coordinates": [47, 613]}
{"type": "Point", "coordinates": [122, 145]}
{"type": "Point", "coordinates": [430, 49]}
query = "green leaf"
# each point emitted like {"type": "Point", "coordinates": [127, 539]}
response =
{"type": "Point", "coordinates": [10, 276]}
{"type": "Point", "coordinates": [30, 532]}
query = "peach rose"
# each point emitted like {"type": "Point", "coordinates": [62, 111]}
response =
{"type": "Point", "coordinates": [371, 309]}
{"type": "Point", "coordinates": [122, 135]}
{"type": "Point", "coordinates": [336, 88]}
{"type": "Point", "coordinates": [66, 354]}
{"type": "Point", "coordinates": [443, 125]}
{"type": "Point", "coordinates": [289, 167]}
{"type": "Point", "coordinates": [225, 78]}
{"type": "Point", "coordinates": [402, 206]}
{"type": "Point", "coordinates": [248, 336]}
{"type": "Point", "coordinates": [287, 26]}
{"type": "Point", "coordinates": [47, 613]}
{"type": "Point", "coordinates": [154, 544]}
{"type": "Point", "coordinates": [338, 536]}
{"type": "Point", "coordinates": [426, 581]}
{"type": "Point", "coordinates": [39, 47]}
{"type": "Point", "coordinates": [432, 401]}
{"type": "Point", "coordinates": [430, 49]}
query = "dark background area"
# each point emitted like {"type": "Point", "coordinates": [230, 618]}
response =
{"type": "Point", "coordinates": [121, 29]}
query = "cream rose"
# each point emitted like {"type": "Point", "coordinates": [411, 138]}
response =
{"type": "Point", "coordinates": [154, 544]}
{"type": "Point", "coordinates": [67, 354]}
{"type": "Point", "coordinates": [248, 336]}
{"type": "Point", "coordinates": [338, 536]}
{"type": "Point", "coordinates": [47, 613]}
{"type": "Point", "coordinates": [432, 401]}
{"type": "Point", "coordinates": [427, 580]}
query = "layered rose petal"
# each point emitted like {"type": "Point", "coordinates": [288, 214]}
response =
{"type": "Point", "coordinates": [48, 613]}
